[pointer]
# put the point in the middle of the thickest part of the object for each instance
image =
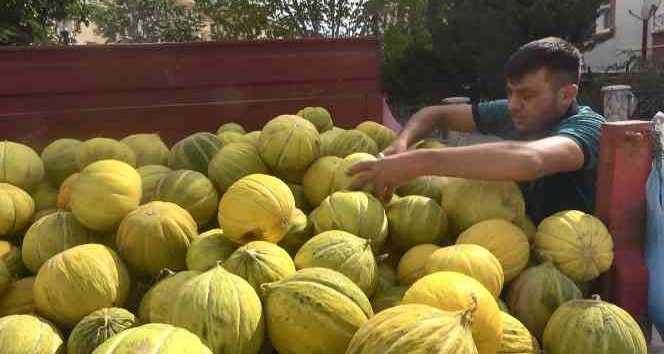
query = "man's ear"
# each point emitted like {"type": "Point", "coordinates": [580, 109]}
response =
{"type": "Point", "coordinates": [567, 94]}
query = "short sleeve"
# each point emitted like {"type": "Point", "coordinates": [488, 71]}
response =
{"type": "Point", "coordinates": [584, 128]}
{"type": "Point", "coordinates": [493, 118]}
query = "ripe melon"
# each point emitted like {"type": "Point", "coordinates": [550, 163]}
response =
{"type": "Point", "coordinates": [78, 281]}
{"type": "Point", "coordinates": [318, 116]}
{"type": "Point", "coordinates": [20, 165]}
{"type": "Point", "coordinates": [192, 191]}
{"type": "Point", "coordinates": [157, 304]}
{"type": "Point", "coordinates": [153, 338]}
{"type": "Point", "coordinates": [288, 145]}
{"type": "Point", "coordinates": [343, 252]}
{"type": "Point", "coordinates": [18, 298]}
{"type": "Point", "coordinates": [577, 243]}
{"type": "Point", "coordinates": [314, 301]}
{"type": "Point", "coordinates": [593, 327]}
{"type": "Point", "coordinates": [260, 262]}
{"type": "Point", "coordinates": [23, 334]}
{"type": "Point", "coordinates": [45, 196]}
{"type": "Point", "coordinates": [358, 213]}
{"type": "Point", "coordinates": [233, 162]}
{"type": "Point", "coordinates": [257, 207]}
{"type": "Point", "coordinates": [98, 149]}
{"type": "Point", "coordinates": [222, 309]}
{"type": "Point", "coordinates": [209, 248]}
{"type": "Point", "coordinates": [148, 148]}
{"type": "Point", "coordinates": [326, 140]}
{"type": "Point", "coordinates": [428, 143]}
{"type": "Point", "coordinates": [426, 186]}
{"type": "Point", "coordinates": [319, 178]}
{"type": "Point", "coordinates": [415, 329]}
{"type": "Point", "coordinates": [59, 158]}
{"type": "Point", "coordinates": [351, 141]}
{"type": "Point", "coordinates": [64, 193]}
{"type": "Point", "coordinates": [155, 236]}
{"type": "Point", "coordinates": [381, 135]}
{"type": "Point", "coordinates": [506, 241]}
{"type": "Point", "coordinates": [537, 293]}
{"type": "Point", "coordinates": [414, 220]}
{"type": "Point", "coordinates": [97, 327]}
{"type": "Point", "coordinates": [11, 255]}
{"type": "Point", "coordinates": [503, 305]}
{"type": "Point", "coordinates": [517, 338]}
{"type": "Point", "coordinates": [151, 175]}
{"type": "Point", "coordinates": [412, 264]}
{"type": "Point", "coordinates": [300, 231]}
{"type": "Point", "coordinates": [342, 181]}
{"type": "Point", "coordinates": [115, 183]}
{"type": "Point", "coordinates": [251, 138]}
{"type": "Point", "coordinates": [51, 235]}
{"type": "Point", "coordinates": [472, 260]}
{"type": "Point", "coordinates": [16, 209]}
{"type": "Point", "coordinates": [231, 127]}
{"type": "Point", "coordinates": [194, 152]}
{"type": "Point", "coordinates": [452, 291]}
{"type": "Point", "coordinates": [229, 137]}
{"type": "Point", "coordinates": [468, 202]}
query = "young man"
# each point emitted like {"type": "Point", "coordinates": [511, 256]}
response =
{"type": "Point", "coordinates": [550, 142]}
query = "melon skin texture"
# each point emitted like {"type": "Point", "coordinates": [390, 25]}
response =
{"type": "Point", "coordinates": [593, 327]}
{"type": "Point", "coordinates": [472, 260]}
{"type": "Point", "coordinates": [536, 294]}
{"type": "Point", "coordinates": [257, 207]}
{"type": "Point", "coordinates": [153, 338]}
{"type": "Point", "coordinates": [516, 338]}
{"type": "Point", "coordinates": [194, 152]}
{"type": "Point", "coordinates": [505, 240]}
{"type": "Point", "coordinates": [98, 149]}
{"type": "Point", "coordinates": [222, 309]}
{"type": "Point", "coordinates": [18, 298]}
{"type": "Point", "coordinates": [343, 252]}
{"type": "Point", "coordinates": [232, 127]}
{"type": "Point", "coordinates": [78, 281]}
{"type": "Point", "coordinates": [209, 248]}
{"type": "Point", "coordinates": [6, 278]}
{"type": "Point", "coordinates": [342, 181]}
{"type": "Point", "coordinates": [260, 262]}
{"type": "Point", "coordinates": [151, 175]}
{"type": "Point", "coordinates": [51, 235]}
{"type": "Point", "coordinates": [95, 328]}
{"type": "Point", "coordinates": [318, 116]}
{"type": "Point", "coordinates": [24, 334]}
{"type": "Point", "coordinates": [318, 179]}
{"type": "Point", "coordinates": [156, 304]}
{"type": "Point", "coordinates": [155, 236]}
{"type": "Point", "coordinates": [578, 244]}
{"type": "Point", "coordinates": [233, 162]}
{"type": "Point", "coordinates": [192, 191]}
{"type": "Point", "coordinates": [45, 196]}
{"type": "Point", "coordinates": [412, 264]}
{"type": "Point", "coordinates": [387, 298]}
{"type": "Point", "coordinates": [314, 301]}
{"type": "Point", "coordinates": [352, 141]}
{"type": "Point", "coordinates": [148, 148]}
{"type": "Point", "coordinates": [381, 135]}
{"type": "Point", "coordinates": [16, 209]}
{"type": "Point", "coordinates": [452, 291]}
{"type": "Point", "coordinates": [104, 193]}
{"type": "Point", "coordinates": [415, 329]}
{"type": "Point", "coordinates": [415, 220]}
{"type": "Point", "coordinates": [20, 166]}
{"type": "Point", "coordinates": [358, 213]}
{"type": "Point", "coordinates": [59, 158]}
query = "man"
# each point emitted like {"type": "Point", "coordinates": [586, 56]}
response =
{"type": "Point", "coordinates": [550, 142]}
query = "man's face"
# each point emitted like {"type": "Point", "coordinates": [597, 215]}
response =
{"type": "Point", "coordinates": [535, 102]}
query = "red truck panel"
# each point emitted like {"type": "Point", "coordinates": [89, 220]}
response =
{"type": "Point", "coordinates": [180, 88]}
{"type": "Point", "coordinates": [624, 165]}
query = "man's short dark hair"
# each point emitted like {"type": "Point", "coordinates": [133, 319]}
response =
{"type": "Point", "coordinates": [561, 58]}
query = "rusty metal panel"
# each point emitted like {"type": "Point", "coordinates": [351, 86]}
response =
{"type": "Point", "coordinates": [176, 89]}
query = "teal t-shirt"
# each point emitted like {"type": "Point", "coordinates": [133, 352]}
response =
{"type": "Point", "coordinates": [560, 191]}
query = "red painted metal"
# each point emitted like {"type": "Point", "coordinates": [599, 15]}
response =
{"type": "Point", "coordinates": [177, 89]}
{"type": "Point", "coordinates": [623, 168]}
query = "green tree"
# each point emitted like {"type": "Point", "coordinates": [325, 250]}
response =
{"type": "Point", "coordinates": [147, 21]}
{"type": "Point", "coordinates": [25, 22]}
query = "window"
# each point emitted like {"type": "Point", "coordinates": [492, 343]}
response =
{"type": "Point", "coordinates": [603, 22]}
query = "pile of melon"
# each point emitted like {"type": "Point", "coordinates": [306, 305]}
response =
{"type": "Point", "coordinates": [252, 242]}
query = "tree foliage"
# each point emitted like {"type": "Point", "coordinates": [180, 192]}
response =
{"type": "Point", "coordinates": [147, 21]}
{"type": "Point", "coordinates": [25, 22]}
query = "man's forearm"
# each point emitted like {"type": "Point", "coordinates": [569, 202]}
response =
{"type": "Point", "coordinates": [511, 161]}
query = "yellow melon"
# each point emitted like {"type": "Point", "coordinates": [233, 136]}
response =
{"type": "Point", "coordinates": [412, 264]}
{"type": "Point", "coordinates": [148, 148]}
{"type": "Point", "coordinates": [20, 165]}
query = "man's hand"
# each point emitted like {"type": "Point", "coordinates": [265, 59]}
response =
{"type": "Point", "coordinates": [386, 174]}
{"type": "Point", "coordinates": [398, 146]}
